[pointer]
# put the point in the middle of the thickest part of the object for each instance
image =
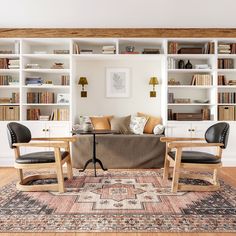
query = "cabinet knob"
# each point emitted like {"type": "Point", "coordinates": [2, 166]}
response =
{"type": "Point", "coordinates": [189, 130]}
{"type": "Point", "coordinates": [44, 130]}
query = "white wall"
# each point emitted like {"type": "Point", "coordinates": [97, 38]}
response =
{"type": "Point", "coordinates": [98, 104]}
{"type": "Point", "coordinates": [114, 13]}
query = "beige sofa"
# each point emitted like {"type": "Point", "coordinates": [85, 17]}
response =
{"type": "Point", "coordinates": [120, 151]}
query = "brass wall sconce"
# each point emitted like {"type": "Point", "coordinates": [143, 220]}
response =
{"type": "Point", "coordinates": [153, 81]}
{"type": "Point", "coordinates": [83, 81]}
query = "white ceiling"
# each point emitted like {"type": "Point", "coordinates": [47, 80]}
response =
{"type": "Point", "coordinates": [117, 13]}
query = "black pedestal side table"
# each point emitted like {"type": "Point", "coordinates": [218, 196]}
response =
{"type": "Point", "coordinates": [94, 158]}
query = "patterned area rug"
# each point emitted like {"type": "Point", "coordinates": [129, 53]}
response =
{"type": "Point", "coordinates": [118, 201]}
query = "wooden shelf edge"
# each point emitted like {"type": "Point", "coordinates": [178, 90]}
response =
{"type": "Point", "coordinates": [118, 32]}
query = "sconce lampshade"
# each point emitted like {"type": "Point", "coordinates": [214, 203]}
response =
{"type": "Point", "coordinates": [83, 81]}
{"type": "Point", "coordinates": [153, 81]}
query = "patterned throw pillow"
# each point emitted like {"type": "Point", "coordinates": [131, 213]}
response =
{"type": "Point", "coordinates": [137, 124]}
{"type": "Point", "coordinates": [159, 129]}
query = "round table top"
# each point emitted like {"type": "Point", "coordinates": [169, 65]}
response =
{"type": "Point", "coordinates": [95, 132]}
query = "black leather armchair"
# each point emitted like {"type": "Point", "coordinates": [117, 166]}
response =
{"type": "Point", "coordinates": [20, 136]}
{"type": "Point", "coordinates": [215, 136]}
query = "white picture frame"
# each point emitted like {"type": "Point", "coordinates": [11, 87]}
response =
{"type": "Point", "coordinates": [117, 82]}
{"type": "Point", "coordinates": [63, 98]}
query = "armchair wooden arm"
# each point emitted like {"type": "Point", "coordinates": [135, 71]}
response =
{"type": "Point", "coordinates": [42, 144]}
{"type": "Point", "coordinates": [185, 144]}
{"type": "Point", "coordinates": [66, 139]}
{"type": "Point", "coordinates": [171, 139]}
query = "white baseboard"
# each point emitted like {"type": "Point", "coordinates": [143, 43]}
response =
{"type": "Point", "coordinates": [6, 162]}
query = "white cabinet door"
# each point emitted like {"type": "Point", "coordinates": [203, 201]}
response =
{"type": "Point", "coordinates": [58, 129]}
{"type": "Point", "coordinates": [178, 130]}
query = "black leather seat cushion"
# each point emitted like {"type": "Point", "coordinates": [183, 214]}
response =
{"type": "Point", "coordinates": [39, 157]}
{"type": "Point", "coordinates": [196, 157]}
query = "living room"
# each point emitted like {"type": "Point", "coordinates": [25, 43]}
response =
{"type": "Point", "coordinates": [117, 119]}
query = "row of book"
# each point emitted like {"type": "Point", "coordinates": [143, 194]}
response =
{"type": "Point", "coordinates": [109, 49]}
{"type": "Point", "coordinates": [227, 48]}
{"type": "Point", "coordinates": [65, 80]}
{"type": "Point", "coordinates": [5, 79]}
{"type": "Point", "coordinates": [226, 63]}
{"type": "Point", "coordinates": [190, 48]}
{"type": "Point", "coordinates": [61, 114]}
{"type": "Point", "coordinates": [201, 79]}
{"type": "Point", "coordinates": [227, 97]}
{"type": "Point", "coordinates": [40, 97]}
{"type": "Point", "coordinates": [221, 80]}
{"type": "Point", "coordinates": [9, 113]}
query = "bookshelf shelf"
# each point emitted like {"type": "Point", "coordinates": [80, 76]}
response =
{"type": "Point", "coordinates": [9, 70]}
{"type": "Point", "coordinates": [190, 70]}
{"type": "Point", "coordinates": [190, 104]}
{"type": "Point", "coordinates": [57, 71]}
{"type": "Point", "coordinates": [9, 55]}
{"type": "Point", "coordinates": [45, 104]}
{"type": "Point", "coordinates": [191, 86]}
{"type": "Point", "coordinates": [47, 87]}
{"type": "Point", "coordinates": [47, 56]}
{"type": "Point", "coordinates": [191, 56]}
{"type": "Point", "coordinates": [9, 87]}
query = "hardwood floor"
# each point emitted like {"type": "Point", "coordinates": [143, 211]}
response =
{"type": "Point", "coordinates": [8, 174]}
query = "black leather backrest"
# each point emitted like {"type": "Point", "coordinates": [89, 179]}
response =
{"type": "Point", "coordinates": [17, 133]}
{"type": "Point", "coordinates": [218, 133]}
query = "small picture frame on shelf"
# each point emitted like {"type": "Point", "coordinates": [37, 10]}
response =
{"type": "Point", "coordinates": [117, 82]}
{"type": "Point", "coordinates": [63, 98]}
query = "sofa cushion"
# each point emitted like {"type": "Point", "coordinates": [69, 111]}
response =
{"type": "Point", "coordinates": [152, 121]}
{"type": "Point", "coordinates": [196, 157]}
{"type": "Point", "coordinates": [121, 124]}
{"type": "Point", "coordinates": [39, 157]}
{"type": "Point", "coordinates": [100, 123]}
{"type": "Point", "coordinates": [137, 124]}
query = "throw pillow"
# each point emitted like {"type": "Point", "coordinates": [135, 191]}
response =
{"type": "Point", "coordinates": [121, 124]}
{"type": "Point", "coordinates": [159, 129]}
{"type": "Point", "coordinates": [100, 123]}
{"type": "Point", "coordinates": [84, 119]}
{"type": "Point", "coordinates": [151, 122]}
{"type": "Point", "coordinates": [137, 124]}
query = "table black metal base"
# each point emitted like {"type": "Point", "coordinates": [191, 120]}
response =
{"type": "Point", "coordinates": [94, 164]}
{"type": "Point", "coordinates": [94, 159]}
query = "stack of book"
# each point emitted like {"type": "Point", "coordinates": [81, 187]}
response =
{"type": "Point", "coordinates": [5, 79]}
{"type": "Point", "coordinates": [61, 114]}
{"type": "Point", "coordinates": [232, 82]}
{"type": "Point", "coordinates": [59, 51]}
{"type": "Point", "coordinates": [33, 81]}
{"type": "Point", "coordinates": [33, 114]}
{"type": "Point", "coordinates": [6, 51]}
{"type": "Point", "coordinates": [86, 51]}
{"type": "Point", "coordinates": [224, 48]}
{"type": "Point", "coordinates": [172, 48]}
{"type": "Point", "coordinates": [4, 63]}
{"type": "Point", "coordinates": [65, 80]}
{"type": "Point", "coordinates": [13, 63]}
{"type": "Point", "coordinates": [32, 66]}
{"type": "Point", "coordinates": [221, 80]}
{"type": "Point", "coordinates": [151, 51]}
{"type": "Point", "coordinates": [57, 65]}
{"type": "Point", "coordinates": [40, 97]}
{"type": "Point", "coordinates": [171, 63]}
{"type": "Point", "coordinates": [109, 49]}
{"type": "Point", "coordinates": [44, 118]}
{"type": "Point", "coordinates": [226, 63]}
{"type": "Point", "coordinates": [170, 114]}
{"type": "Point", "coordinates": [227, 97]}
{"type": "Point", "coordinates": [201, 79]}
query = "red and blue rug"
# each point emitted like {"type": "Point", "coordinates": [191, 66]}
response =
{"type": "Point", "coordinates": [118, 201]}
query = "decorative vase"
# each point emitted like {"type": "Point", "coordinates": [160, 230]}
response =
{"type": "Point", "coordinates": [188, 65]}
{"type": "Point", "coordinates": [181, 64]}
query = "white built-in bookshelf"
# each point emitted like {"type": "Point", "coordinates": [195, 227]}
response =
{"type": "Point", "coordinates": [36, 58]}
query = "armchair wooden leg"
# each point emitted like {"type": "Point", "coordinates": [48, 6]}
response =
{"type": "Point", "coordinates": [60, 177]}
{"type": "Point", "coordinates": [20, 174]}
{"type": "Point", "coordinates": [69, 169]}
{"type": "Point", "coordinates": [176, 171]}
{"type": "Point", "coordinates": [166, 169]}
{"type": "Point", "coordinates": [215, 177]}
